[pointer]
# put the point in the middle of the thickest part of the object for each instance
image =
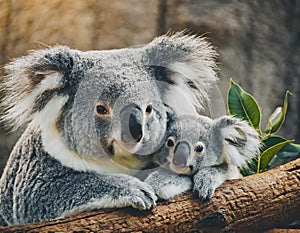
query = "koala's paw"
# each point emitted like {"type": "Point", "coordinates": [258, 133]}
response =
{"type": "Point", "coordinates": [168, 185]}
{"type": "Point", "coordinates": [174, 189]}
{"type": "Point", "coordinates": [137, 194]}
{"type": "Point", "coordinates": [205, 185]}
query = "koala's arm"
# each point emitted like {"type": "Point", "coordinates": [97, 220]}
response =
{"type": "Point", "coordinates": [167, 184]}
{"type": "Point", "coordinates": [36, 187]}
{"type": "Point", "coordinates": [207, 179]}
{"type": "Point", "coordinates": [240, 143]}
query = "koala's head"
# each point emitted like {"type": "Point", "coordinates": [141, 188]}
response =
{"type": "Point", "coordinates": [121, 108]}
{"type": "Point", "coordinates": [101, 105]}
{"type": "Point", "coordinates": [108, 105]}
{"type": "Point", "coordinates": [195, 142]}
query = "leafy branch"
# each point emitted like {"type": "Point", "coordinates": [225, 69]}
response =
{"type": "Point", "coordinates": [275, 150]}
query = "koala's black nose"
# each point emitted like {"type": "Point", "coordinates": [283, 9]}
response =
{"type": "Point", "coordinates": [181, 153]}
{"type": "Point", "coordinates": [132, 124]}
{"type": "Point", "coordinates": [135, 127]}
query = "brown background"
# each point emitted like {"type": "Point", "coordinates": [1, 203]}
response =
{"type": "Point", "coordinates": [258, 41]}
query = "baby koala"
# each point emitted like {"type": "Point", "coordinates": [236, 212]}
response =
{"type": "Point", "coordinates": [210, 151]}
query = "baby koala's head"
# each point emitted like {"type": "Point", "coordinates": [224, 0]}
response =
{"type": "Point", "coordinates": [196, 141]}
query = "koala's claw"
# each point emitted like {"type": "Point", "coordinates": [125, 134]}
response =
{"type": "Point", "coordinates": [139, 196]}
{"type": "Point", "coordinates": [204, 186]}
{"type": "Point", "coordinates": [204, 193]}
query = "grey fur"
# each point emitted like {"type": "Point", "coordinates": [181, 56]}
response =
{"type": "Point", "coordinates": [226, 144]}
{"type": "Point", "coordinates": [88, 121]}
{"type": "Point", "coordinates": [38, 187]}
{"type": "Point", "coordinates": [167, 184]}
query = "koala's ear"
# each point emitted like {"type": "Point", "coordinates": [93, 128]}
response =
{"type": "Point", "coordinates": [31, 81]}
{"type": "Point", "coordinates": [186, 64]}
{"type": "Point", "coordinates": [240, 140]}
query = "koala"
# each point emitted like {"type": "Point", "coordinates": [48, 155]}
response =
{"type": "Point", "coordinates": [92, 120]}
{"type": "Point", "coordinates": [210, 151]}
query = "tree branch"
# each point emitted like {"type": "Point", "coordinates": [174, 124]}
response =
{"type": "Point", "coordinates": [254, 203]}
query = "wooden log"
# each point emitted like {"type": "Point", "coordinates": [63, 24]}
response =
{"type": "Point", "coordinates": [252, 204]}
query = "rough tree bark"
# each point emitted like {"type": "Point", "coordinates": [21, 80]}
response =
{"type": "Point", "coordinates": [251, 204]}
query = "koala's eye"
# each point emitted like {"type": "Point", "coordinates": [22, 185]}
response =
{"type": "Point", "coordinates": [101, 110]}
{"type": "Point", "coordinates": [199, 148]}
{"type": "Point", "coordinates": [170, 142]}
{"type": "Point", "coordinates": [149, 109]}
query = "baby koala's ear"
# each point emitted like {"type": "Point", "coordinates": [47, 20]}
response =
{"type": "Point", "coordinates": [240, 140]}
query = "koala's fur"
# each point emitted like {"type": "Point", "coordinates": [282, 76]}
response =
{"type": "Point", "coordinates": [92, 118]}
{"type": "Point", "coordinates": [211, 151]}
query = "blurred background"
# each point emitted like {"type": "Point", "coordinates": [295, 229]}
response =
{"type": "Point", "coordinates": [258, 41]}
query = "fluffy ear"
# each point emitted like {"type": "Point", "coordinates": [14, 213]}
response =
{"type": "Point", "coordinates": [185, 65]}
{"type": "Point", "coordinates": [31, 81]}
{"type": "Point", "coordinates": [240, 140]}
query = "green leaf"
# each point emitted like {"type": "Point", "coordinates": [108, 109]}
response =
{"type": "Point", "coordinates": [243, 105]}
{"type": "Point", "coordinates": [267, 155]}
{"type": "Point", "coordinates": [277, 118]}
{"type": "Point", "coordinates": [271, 141]}
{"type": "Point", "coordinates": [288, 153]}
{"type": "Point", "coordinates": [250, 168]}
{"type": "Point", "coordinates": [292, 147]}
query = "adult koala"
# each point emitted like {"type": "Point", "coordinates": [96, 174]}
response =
{"type": "Point", "coordinates": [93, 119]}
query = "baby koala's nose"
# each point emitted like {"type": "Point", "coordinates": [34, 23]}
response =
{"type": "Point", "coordinates": [181, 153]}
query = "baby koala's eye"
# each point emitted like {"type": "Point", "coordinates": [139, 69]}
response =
{"type": "Point", "coordinates": [170, 142]}
{"type": "Point", "coordinates": [199, 148]}
{"type": "Point", "coordinates": [101, 110]}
